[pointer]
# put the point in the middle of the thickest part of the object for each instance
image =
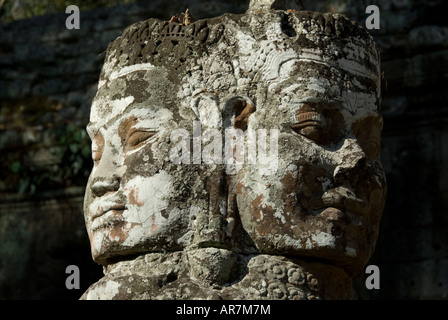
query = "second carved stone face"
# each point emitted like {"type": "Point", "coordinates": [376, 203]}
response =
{"type": "Point", "coordinates": [325, 199]}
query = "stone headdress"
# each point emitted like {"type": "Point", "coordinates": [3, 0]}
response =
{"type": "Point", "coordinates": [251, 47]}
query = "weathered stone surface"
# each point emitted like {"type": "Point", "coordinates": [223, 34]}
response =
{"type": "Point", "coordinates": [313, 81]}
{"type": "Point", "coordinates": [212, 273]}
{"type": "Point", "coordinates": [261, 5]}
{"type": "Point", "coordinates": [414, 138]}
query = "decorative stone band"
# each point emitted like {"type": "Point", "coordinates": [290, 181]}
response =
{"type": "Point", "coordinates": [216, 274]}
{"type": "Point", "coordinates": [167, 44]}
{"type": "Point", "coordinates": [329, 39]}
{"type": "Point", "coordinates": [263, 44]}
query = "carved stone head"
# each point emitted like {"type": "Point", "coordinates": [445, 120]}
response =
{"type": "Point", "coordinates": [318, 83]}
{"type": "Point", "coordinates": [138, 199]}
{"type": "Point", "coordinates": [257, 133]}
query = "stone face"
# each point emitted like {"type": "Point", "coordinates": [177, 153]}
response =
{"type": "Point", "coordinates": [413, 56]}
{"type": "Point", "coordinates": [225, 216]}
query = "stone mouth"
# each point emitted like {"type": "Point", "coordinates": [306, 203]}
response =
{"type": "Point", "coordinates": [108, 215]}
{"type": "Point", "coordinates": [106, 204]}
{"type": "Point", "coordinates": [343, 200]}
{"type": "Point", "coordinates": [112, 219]}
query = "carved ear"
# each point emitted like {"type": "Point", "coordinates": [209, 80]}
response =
{"type": "Point", "coordinates": [239, 109]}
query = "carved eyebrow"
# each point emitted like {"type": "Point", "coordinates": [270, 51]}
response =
{"type": "Point", "coordinates": [325, 101]}
{"type": "Point", "coordinates": [94, 128]}
{"type": "Point", "coordinates": [141, 124]}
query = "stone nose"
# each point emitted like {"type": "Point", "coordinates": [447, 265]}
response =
{"type": "Point", "coordinates": [353, 167]}
{"type": "Point", "coordinates": [106, 177]}
{"type": "Point", "coordinates": [101, 186]}
{"type": "Point", "coordinates": [360, 173]}
{"type": "Point", "coordinates": [349, 175]}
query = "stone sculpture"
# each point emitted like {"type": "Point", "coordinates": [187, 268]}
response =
{"type": "Point", "coordinates": [299, 229]}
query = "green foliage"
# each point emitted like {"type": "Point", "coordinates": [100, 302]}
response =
{"type": "Point", "coordinates": [75, 151]}
{"type": "Point", "coordinates": [73, 168]}
{"type": "Point", "coordinates": [13, 10]}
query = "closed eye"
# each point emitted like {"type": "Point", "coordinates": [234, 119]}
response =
{"type": "Point", "coordinates": [138, 137]}
{"type": "Point", "coordinates": [310, 125]}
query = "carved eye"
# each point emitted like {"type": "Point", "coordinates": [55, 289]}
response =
{"type": "Point", "coordinates": [310, 125]}
{"type": "Point", "coordinates": [136, 138]}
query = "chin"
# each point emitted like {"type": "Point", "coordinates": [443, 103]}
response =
{"type": "Point", "coordinates": [335, 243]}
{"type": "Point", "coordinates": [106, 248]}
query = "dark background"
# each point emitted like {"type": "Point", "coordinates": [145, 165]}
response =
{"type": "Point", "coordinates": [48, 78]}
